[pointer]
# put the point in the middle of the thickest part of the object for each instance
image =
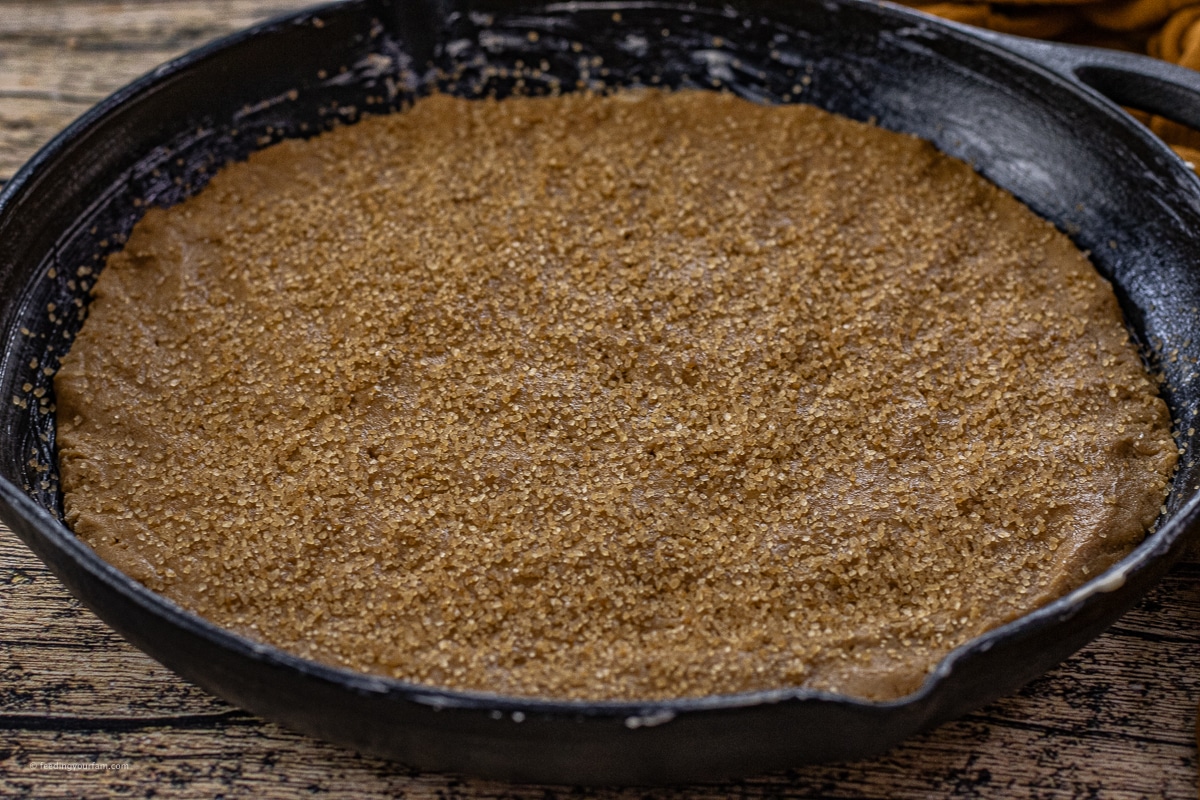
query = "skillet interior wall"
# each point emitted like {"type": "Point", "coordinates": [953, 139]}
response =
{"type": "Point", "coordinates": [1016, 127]}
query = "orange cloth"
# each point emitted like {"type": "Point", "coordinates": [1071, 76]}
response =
{"type": "Point", "coordinates": [1188, 154]}
{"type": "Point", "coordinates": [1166, 29]}
{"type": "Point", "coordinates": [1038, 22]}
{"type": "Point", "coordinates": [1132, 14]}
{"type": "Point", "coordinates": [1179, 40]}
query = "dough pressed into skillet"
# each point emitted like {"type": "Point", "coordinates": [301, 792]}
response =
{"type": "Point", "coordinates": [643, 396]}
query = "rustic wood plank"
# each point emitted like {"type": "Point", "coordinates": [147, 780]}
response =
{"type": "Point", "coordinates": [172, 22]}
{"type": "Point", "coordinates": [58, 58]}
{"type": "Point", "coordinates": [1115, 721]}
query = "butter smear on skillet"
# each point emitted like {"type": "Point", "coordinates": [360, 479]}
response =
{"type": "Point", "coordinates": [644, 396]}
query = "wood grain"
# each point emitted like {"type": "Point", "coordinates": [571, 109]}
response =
{"type": "Point", "coordinates": [58, 57]}
{"type": "Point", "coordinates": [1115, 721]}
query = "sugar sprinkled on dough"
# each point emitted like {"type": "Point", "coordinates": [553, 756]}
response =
{"type": "Point", "coordinates": [644, 396]}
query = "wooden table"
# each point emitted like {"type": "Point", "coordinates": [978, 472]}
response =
{"type": "Point", "coordinates": [1116, 721]}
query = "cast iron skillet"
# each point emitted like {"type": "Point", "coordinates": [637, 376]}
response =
{"type": "Point", "coordinates": [1029, 116]}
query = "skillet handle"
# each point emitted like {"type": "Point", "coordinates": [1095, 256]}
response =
{"type": "Point", "coordinates": [1140, 82]}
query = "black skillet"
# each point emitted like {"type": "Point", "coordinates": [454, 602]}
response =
{"type": "Point", "coordinates": [1029, 116]}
